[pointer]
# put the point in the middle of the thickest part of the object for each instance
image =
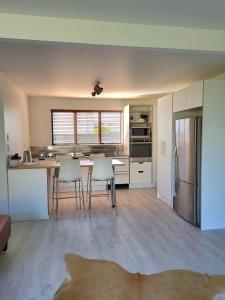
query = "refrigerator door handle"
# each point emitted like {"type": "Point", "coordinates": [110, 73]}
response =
{"type": "Point", "coordinates": [176, 158]}
{"type": "Point", "coordinates": [175, 188]}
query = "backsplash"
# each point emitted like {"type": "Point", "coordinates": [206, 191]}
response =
{"type": "Point", "coordinates": [85, 149]}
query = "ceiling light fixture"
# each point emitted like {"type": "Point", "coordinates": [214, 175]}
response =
{"type": "Point", "coordinates": [97, 89]}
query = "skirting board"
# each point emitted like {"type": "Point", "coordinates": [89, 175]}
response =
{"type": "Point", "coordinates": [141, 185]}
{"type": "Point", "coordinates": [28, 218]}
{"type": "Point", "coordinates": [165, 199]}
{"type": "Point", "coordinates": [212, 226]}
{"type": "Point", "coordinates": [71, 188]}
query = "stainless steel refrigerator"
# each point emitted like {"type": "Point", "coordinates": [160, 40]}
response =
{"type": "Point", "coordinates": [187, 194]}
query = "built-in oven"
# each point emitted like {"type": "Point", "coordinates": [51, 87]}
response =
{"type": "Point", "coordinates": [140, 148]}
{"type": "Point", "coordinates": [140, 131]}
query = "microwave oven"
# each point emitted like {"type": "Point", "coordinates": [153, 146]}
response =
{"type": "Point", "coordinates": [143, 132]}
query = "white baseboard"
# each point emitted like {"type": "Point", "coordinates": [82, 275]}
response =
{"type": "Point", "coordinates": [28, 218]}
{"type": "Point", "coordinates": [168, 201]}
{"type": "Point", "coordinates": [212, 226]}
{"type": "Point", "coordinates": [141, 185]}
{"type": "Point", "coordinates": [71, 189]}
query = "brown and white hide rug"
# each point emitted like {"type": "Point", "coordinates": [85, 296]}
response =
{"type": "Point", "coordinates": [105, 280]}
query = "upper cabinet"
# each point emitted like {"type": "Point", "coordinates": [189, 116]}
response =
{"type": "Point", "coordinates": [188, 98]}
{"type": "Point", "coordinates": [179, 100]}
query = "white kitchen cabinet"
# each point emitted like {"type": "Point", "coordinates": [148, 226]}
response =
{"type": "Point", "coordinates": [126, 129]}
{"type": "Point", "coordinates": [189, 97]}
{"type": "Point", "coordinates": [28, 194]}
{"type": "Point", "coordinates": [140, 174]}
{"type": "Point", "coordinates": [195, 95]}
{"type": "Point", "coordinates": [122, 173]}
{"type": "Point", "coordinates": [213, 162]}
{"type": "Point", "coordinates": [122, 178]}
{"type": "Point", "coordinates": [123, 168]}
{"type": "Point", "coordinates": [179, 100]}
{"type": "Point", "coordinates": [165, 142]}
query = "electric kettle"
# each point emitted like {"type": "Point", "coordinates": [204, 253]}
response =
{"type": "Point", "coordinates": [27, 157]}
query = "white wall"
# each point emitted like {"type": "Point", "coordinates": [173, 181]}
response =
{"type": "Point", "coordinates": [155, 144]}
{"type": "Point", "coordinates": [3, 161]}
{"type": "Point", "coordinates": [14, 126]}
{"type": "Point", "coordinates": [16, 118]}
{"type": "Point", "coordinates": [213, 155]}
{"type": "Point", "coordinates": [40, 112]}
{"type": "Point", "coordinates": [164, 157]}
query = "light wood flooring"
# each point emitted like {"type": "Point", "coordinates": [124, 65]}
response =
{"type": "Point", "coordinates": [146, 237]}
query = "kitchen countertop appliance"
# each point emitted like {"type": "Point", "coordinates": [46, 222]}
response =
{"type": "Point", "coordinates": [140, 148]}
{"type": "Point", "coordinates": [187, 194]}
{"type": "Point", "coordinates": [27, 156]}
{"type": "Point", "coordinates": [140, 131]}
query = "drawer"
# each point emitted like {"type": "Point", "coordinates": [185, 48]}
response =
{"type": "Point", "coordinates": [123, 168]}
{"type": "Point", "coordinates": [137, 166]}
{"type": "Point", "coordinates": [140, 172]}
{"type": "Point", "coordinates": [122, 178]}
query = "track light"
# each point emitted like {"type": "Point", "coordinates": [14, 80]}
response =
{"type": "Point", "coordinates": [97, 89]}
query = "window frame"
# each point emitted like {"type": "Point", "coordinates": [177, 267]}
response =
{"type": "Point", "coordinates": [75, 125]}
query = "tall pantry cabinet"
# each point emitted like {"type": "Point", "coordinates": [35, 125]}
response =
{"type": "Point", "coordinates": [210, 95]}
{"type": "Point", "coordinates": [164, 161]}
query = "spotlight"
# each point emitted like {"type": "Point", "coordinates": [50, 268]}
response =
{"type": "Point", "coordinates": [97, 89]}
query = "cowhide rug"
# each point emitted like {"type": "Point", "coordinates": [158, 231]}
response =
{"type": "Point", "coordinates": [105, 280]}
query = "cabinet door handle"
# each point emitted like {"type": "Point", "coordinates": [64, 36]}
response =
{"type": "Point", "coordinates": [140, 171]}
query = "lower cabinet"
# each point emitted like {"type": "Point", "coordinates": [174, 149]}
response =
{"type": "Point", "coordinates": [28, 194]}
{"type": "Point", "coordinates": [122, 178]}
{"type": "Point", "coordinates": [122, 172]}
{"type": "Point", "coordinates": [140, 174]}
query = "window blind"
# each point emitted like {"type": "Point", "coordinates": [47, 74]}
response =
{"type": "Point", "coordinates": [110, 127]}
{"type": "Point", "coordinates": [63, 127]}
{"type": "Point", "coordinates": [87, 128]}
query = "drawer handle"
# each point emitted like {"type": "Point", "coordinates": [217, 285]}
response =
{"type": "Point", "coordinates": [140, 171]}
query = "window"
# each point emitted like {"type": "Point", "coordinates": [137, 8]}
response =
{"type": "Point", "coordinates": [110, 127]}
{"type": "Point", "coordinates": [86, 127]}
{"type": "Point", "coordinates": [63, 127]}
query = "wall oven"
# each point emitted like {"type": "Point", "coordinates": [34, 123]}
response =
{"type": "Point", "coordinates": [140, 148]}
{"type": "Point", "coordinates": [140, 131]}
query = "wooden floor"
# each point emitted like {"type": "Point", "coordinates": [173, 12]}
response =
{"type": "Point", "coordinates": [146, 237]}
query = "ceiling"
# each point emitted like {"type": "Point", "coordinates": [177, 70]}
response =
{"type": "Point", "coordinates": [71, 70]}
{"type": "Point", "coordinates": [184, 13]}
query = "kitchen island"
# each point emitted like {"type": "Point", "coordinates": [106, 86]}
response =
{"type": "Point", "coordinates": [29, 188]}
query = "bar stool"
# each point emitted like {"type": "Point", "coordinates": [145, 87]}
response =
{"type": "Point", "coordinates": [54, 177]}
{"type": "Point", "coordinates": [69, 171]}
{"type": "Point", "coordinates": [93, 156]}
{"type": "Point", "coordinates": [102, 171]}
